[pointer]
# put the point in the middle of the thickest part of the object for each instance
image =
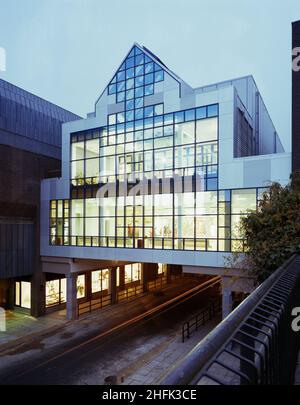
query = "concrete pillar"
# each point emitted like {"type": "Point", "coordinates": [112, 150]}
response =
{"type": "Point", "coordinates": [72, 312]}
{"type": "Point", "coordinates": [88, 285]}
{"type": "Point", "coordinates": [226, 302]}
{"type": "Point", "coordinates": [168, 273]}
{"type": "Point", "coordinates": [11, 294]}
{"type": "Point", "coordinates": [144, 277]}
{"type": "Point", "coordinates": [122, 278]}
{"type": "Point", "coordinates": [38, 304]}
{"type": "Point", "coordinates": [112, 286]}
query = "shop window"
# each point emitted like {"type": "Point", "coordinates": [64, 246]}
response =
{"type": "Point", "coordinates": [23, 294]}
{"type": "Point", "coordinates": [100, 280]}
{"type": "Point", "coordinates": [56, 292]}
{"type": "Point", "coordinates": [81, 286]}
{"type": "Point", "coordinates": [162, 268]}
{"type": "Point", "coordinates": [132, 272]}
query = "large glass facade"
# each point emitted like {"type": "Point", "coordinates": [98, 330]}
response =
{"type": "Point", "coordinates": [197, 220]}
{"type": "Point", "coordinates": [158, 145]}
{"type": "Point", "coordinates": [149, 179]}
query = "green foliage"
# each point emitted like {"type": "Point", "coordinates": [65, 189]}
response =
{"type": "Point", "coordinates": [273, 233]}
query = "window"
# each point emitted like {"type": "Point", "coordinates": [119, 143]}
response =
{"type": "Point", "coordinates": [163, 159]}
{"type": "Point", "coordinates": [163, 204]}
{"type": "Point", "coordinates": [77, 169]}
{"type": "Point", "coordinates": [206, 202]}
{"type": "Point", "coordinates": [212, 110]}
{"type": "Point", "coordinates": [236, 231]}
{"type": "Point", "coordinates": [92, 168]}
{"type": "Point", "coordinates": [91, 227]}
{"type": "Point", "coordinates": [206, 226]}
{"type": "Point", "coordinates": [23, 294]}
{"type": "Point", "coordinates": [81, 286]}
{"type": "Point", "coordinates": [184, 156]}
{"type": "Point", "coordinates": [207, 130]}
{"type": "Point", "coordinates": [107, 227]}
{"type": "Point", "coordinates": [107, 206]}
{"type": "Point", "coordinates": [77, 150]}
{"type": "Point", "coordinates": [100, 280]}
{"type": "Point", "coordinates": [163, 227]}
{"type": "Point", "coordinates": [207, 154]}
{"type": "Point", "coordinates": [107, 166]}
{"type": "Point", "coordinates": [92, 207]}
{"type": "Point", "coordinates": [201, 113]}
{"type": "Point", "coordinates": [184, 133]}
{"type": "Point", "coordinates": [184, 203]}
{"type": "Point", "coordinates": [162, 269]}
{"type": "Point", "coordinates": [77, 208]}
{"type": "Point", "coordinates": [59, 222]}
{"type": "Point", "coordinates": [132, 272]}
{"type": "Point", "coordinates": [184, 226]}
{"type": "Point", "coordinates": [243, 201]}
{"type": "Point", "coordinates": [56, 292]}
{"type": "Point", "coordinates": [92, 148]}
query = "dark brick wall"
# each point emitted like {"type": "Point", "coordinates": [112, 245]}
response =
{"type": "Point", "coordinates": [296, 103]}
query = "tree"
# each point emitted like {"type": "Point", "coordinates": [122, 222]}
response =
{"type": "Point", "coordinates": [273, 232]}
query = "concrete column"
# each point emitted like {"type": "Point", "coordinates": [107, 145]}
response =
{"type": "Point", "coordinates": [112, 287]}
{"type": "Point", "coordinates": [144, 276]}
{"type": "Point", "coordinates": [72, 296]}
{"type": "Point", "coordinates": [168, 275]}
{"type": "Point", "coordinates": [122, 277]}
{"type": "Point", "coordinates": [226, 303]}
{"type": "Point", "coordinates": [38, 304]}
{"type": "Point", "coordinates": [11, 294]}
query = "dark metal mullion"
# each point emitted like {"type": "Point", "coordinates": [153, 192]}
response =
{"type": "Point", "coordinates": [195, 183]}
{"type": "Point", "coordinates": [174, 211]}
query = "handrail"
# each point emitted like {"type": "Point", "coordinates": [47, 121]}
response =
{"type": "Point", "coordinates": [247, 336]}
{"type": "Point", "coordinates": [200, 319]}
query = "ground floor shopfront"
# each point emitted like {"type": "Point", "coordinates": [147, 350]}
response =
{"type": "Point", "coordinates": [93, 287]}
{"type": "Point", "coordinates": [16, 293]}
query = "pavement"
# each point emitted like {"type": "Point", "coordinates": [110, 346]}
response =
{"type": "Point", "coordinates": [169, 354]}
{"type": "Point", "coordinates": [21, 324]}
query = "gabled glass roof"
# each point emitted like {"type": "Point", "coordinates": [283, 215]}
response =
{"type": "Point", "coordinates": [136, 77]}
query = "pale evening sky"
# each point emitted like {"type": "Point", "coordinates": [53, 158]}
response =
{"type": "Point", "coordinates": [67, 50]}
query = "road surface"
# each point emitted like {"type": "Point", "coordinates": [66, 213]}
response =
{"type": "Point", "coordinates": [116, 352]}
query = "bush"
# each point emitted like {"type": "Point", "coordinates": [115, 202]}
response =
{"type": "Point", "coordinates": [273, 233]}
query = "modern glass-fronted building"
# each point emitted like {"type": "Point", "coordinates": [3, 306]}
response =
{"type": "Point", "coordinates": [159, 173]}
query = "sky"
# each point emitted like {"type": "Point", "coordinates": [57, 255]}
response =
{"type": "Point", "coordinates": [66, 51]}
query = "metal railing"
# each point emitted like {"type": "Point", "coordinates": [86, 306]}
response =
{"type": "Point", "coordinates": [159, 282]}
{"type": "Point", "coordinates": [206, 315]}
{"type": "Point", "coordinates": [93, 304]}
{"type": "Point", "coordinates": [130, 292]}
{"type": "Point", "coordinates": [255, 344]}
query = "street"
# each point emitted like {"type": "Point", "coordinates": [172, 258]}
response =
{"type": "Point", "coordinates": [106, 357]}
